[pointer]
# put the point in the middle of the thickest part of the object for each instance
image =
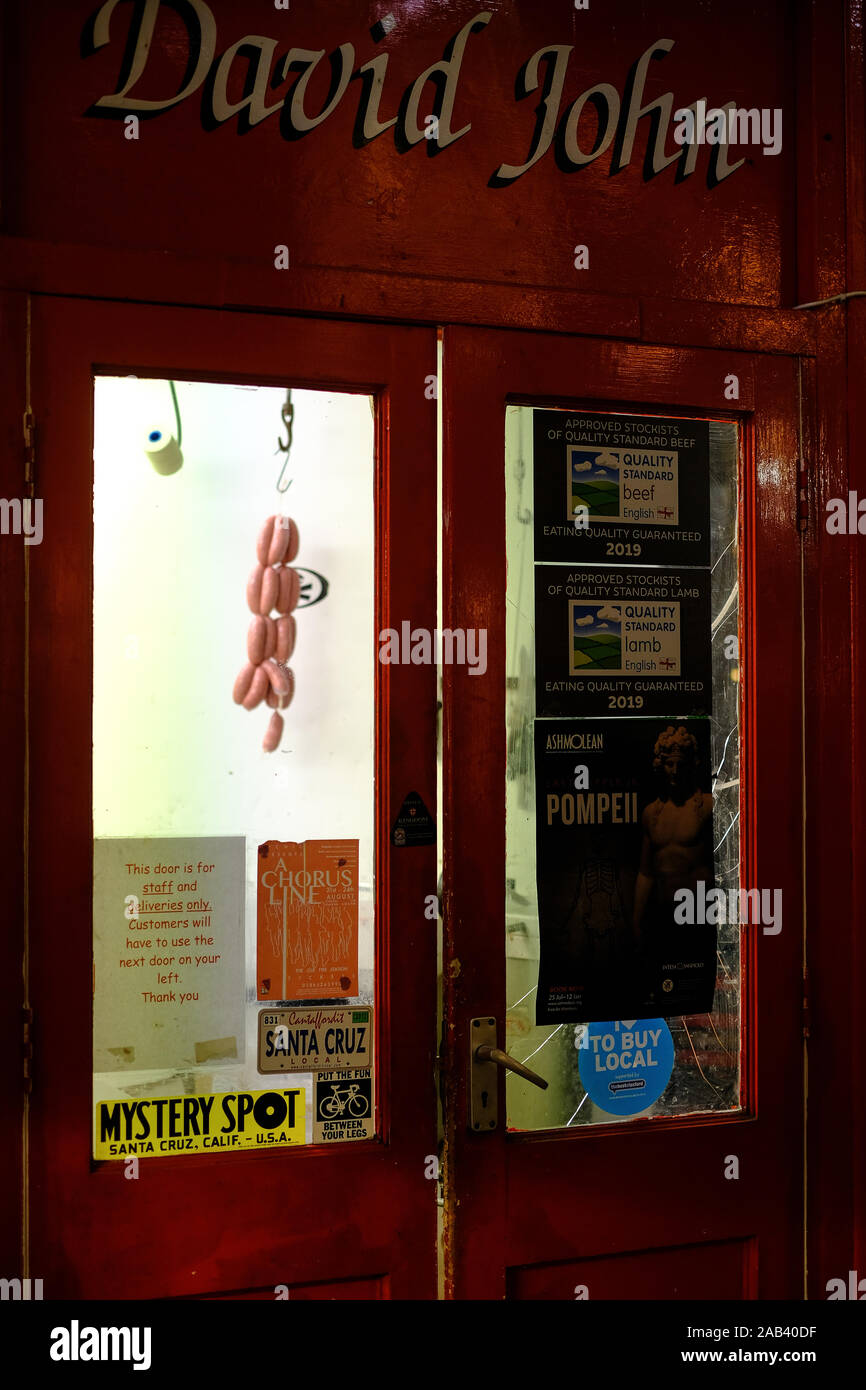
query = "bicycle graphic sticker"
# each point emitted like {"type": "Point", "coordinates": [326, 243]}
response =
{"type": "Point", "coordinates": [344, 1105]}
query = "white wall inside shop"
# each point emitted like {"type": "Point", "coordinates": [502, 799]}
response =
{"type": "Point", "coordinates": [172, 754]}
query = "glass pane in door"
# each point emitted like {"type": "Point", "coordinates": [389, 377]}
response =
{"type": "Point", "coordinates": [617, 657]}
{"type": "Point", "coordinates": [185, 795]}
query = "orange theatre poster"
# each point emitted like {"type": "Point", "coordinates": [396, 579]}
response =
{"type": "Point", "coordinates": [307, 916]}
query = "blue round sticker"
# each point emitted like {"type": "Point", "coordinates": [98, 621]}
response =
{"type": "Point", "coordinates": [626, 1064]}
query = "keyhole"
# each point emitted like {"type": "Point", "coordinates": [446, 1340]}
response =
{"type": "Point", "coordinates": [484, 1099]}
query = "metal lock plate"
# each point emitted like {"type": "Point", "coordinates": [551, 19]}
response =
{"type": "Point", "coordinates": [483, 1078]}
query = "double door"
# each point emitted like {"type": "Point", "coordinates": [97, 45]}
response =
{"type": "Point", "coordinates": [151, 796]}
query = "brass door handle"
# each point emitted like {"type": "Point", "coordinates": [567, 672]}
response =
{"type": "Point", "coordinates": [486, 1053]}
{"type": "Point", "coordinates": [484, 1057]}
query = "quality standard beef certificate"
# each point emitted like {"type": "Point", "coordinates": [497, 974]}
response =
{"type": "Point", "coordinates": [624, 841]}
{"type": "Point", "coordinates": [621, 487]}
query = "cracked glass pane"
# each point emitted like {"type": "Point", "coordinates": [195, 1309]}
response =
{"type": "Point", "coordinates": [706, 1071]}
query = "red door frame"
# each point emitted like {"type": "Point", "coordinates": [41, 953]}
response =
{"type": "Point", "coordinates": [510, 1199]}
{"type": "Point", "coordinates": [13, 1102]}
{"type": "Point", "coordinates": [201, 1225]}
{"type": "Point", "coordinates": [829, 247]}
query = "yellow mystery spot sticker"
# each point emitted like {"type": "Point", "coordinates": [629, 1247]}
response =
{"type": "Point", "coordinates": [168, 1125]}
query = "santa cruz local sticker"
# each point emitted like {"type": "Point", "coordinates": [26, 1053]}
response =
{"type": "Point", "coordinates": [168, 1125]}
{"type": "Point", "coordinates": [315, 1039]}
{"type": "Point", "coordinates": [626, 1064]}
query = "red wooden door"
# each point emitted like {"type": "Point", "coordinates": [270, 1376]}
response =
{"type": "Point", "coordinates": [316, 1220]}
{"type": "Point", "coordinates": [702, 1194]}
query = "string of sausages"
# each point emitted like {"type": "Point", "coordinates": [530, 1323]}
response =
{"type": "Point", "coordinates": [272, 586]}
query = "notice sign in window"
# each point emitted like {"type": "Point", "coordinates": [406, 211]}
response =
{"type": "Point", "coordinates": [620, 487]}
{"type": "Point", "coordinates": [168, 946]}
{"type": "Point", "coordinates": [616, 639]}
{"type": "Point", "coordinates": [169, 1125]}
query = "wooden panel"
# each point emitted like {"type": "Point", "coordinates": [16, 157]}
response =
{"type": "Point", "coordinates": [14, 555]}
{"type": "Point", "coordinates": [352, 1290]}
{"type": "Point", "coordinates": [384, 206]}
{"type": "Point", "coordinates": [856, 374]}
{"type": "Point", "coordinates": [710, 1270]}
{"type": "Point", "coordinates": [833, 261]}
{"type": "Point", "coordinates": [52, 268]}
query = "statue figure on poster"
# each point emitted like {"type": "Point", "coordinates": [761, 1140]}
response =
{"type": "Point", "coordinates": [677, 845]}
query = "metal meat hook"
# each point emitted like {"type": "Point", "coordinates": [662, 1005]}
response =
{"type": "Point", "coordinates": [287, 414]}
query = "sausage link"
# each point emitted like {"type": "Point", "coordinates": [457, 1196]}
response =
{"type": "Point", "coordinates": [277, 701]}
{"type": "Point", "coordinates": [280, 683]}
{"type": "Point", "coordinates": [258, 689]}
{"type": "Point", "coordinates": [243, 682]}
{"type": "Point", "coordinates": [284, 529]}
{"type": "Point", "coordinates": [257, 636]}
{"type": "Point", "coordinates": [273, 733]}
{"type": "Point", "coordinates": [254, 589]}
{"type": "Point", "coordinates": [278, 541]}
{"type": "Point", "coordinates": [270, 590]}
{"type": "Point", "coordinates": [290, 589]}
{"type": "Point", "coordinates": [293, 540]}
{"type": "Point", "coordinates": [263, 544]}
{"type": "Point", "coordinates": [286, 632]}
